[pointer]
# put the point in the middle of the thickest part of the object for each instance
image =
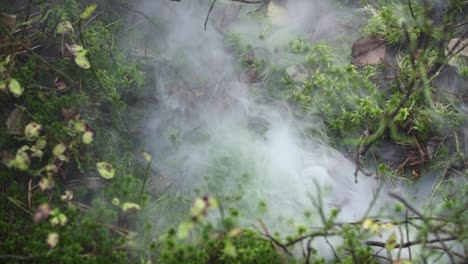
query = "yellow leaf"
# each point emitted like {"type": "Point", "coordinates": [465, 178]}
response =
{"type": "Point", "coordinates": [105, 170]}
{"type": "Point", "coordinates": [234, 232]}
{"type": "Point", "coordinates": [367, 223]}
{"type": "Point", "coordinates": [65, 27]}
{"type": "Point", "coordinates": [184, 229]}
{"type": "Point", "coordinates": [52, 239]}
{"type": "Point", "coordinates": [146, 155]}
{"type": "Point", "coordinates": [46, 184]}
{"type": "Point", "coordinates": [88, 11]}
{"type": "Point", "coordinates": [21, 160]}
{"type": "Point", "coordinates": [32, 130]}
{"type": "Point", "coordinates": [87, 137]}
{"type": "Point", "coordinates": [277, 14]}
{"type": "Point", "coordinates": [198, 208]}
{"type": "Point", "coordinates": [128, 206]}
{"type": "Point", "coordinates": [59, 149]}
{"type": "Point", "coordinates": [229, 249]}
{"type": "Point", "coordinates": [391, 241]}
{"type": "Point", "coordinates": [15, 88]}
{"type": "Point", "coordinates": [82, 61]}
{"type": "Point", "coordinates": [67, 196]}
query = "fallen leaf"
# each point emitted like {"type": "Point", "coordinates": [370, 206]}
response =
{"type": "Point", "coordinates": [60, 85]}
{"type": "Point", "coordinates": [52, 239]}
{"type": "Point", "coordinates": [21, 160]}
{"type": "Point", "coordinates": [59, 149]}
{"type": "Point", "coordinates": [88, 11]}
{"type": "Point", "coordinates": [87, 137]}
{"type": "Point", "coordinates": [69, 114]}
{"type": "Point", "coordinates": [51, 170]}
{"type": "Point", "coordinates": [32, 130]}
{"type": "Point", "coordinates": [13, 122]}
{"type": "Point", "coordinates": [229, 249]}
{"type": "Point", "coordinates": [146, 155]}
{"type": "Point", "coordinates": [391, 242]}
{"type": "Point", "coordinates": [368, 51]}
{"type": "Point", "coordinates": [128, 206]}
{"type": "Point", "coordinates": [105, 170]}
{"type": "Point", "coordinates": [42, 213]}
{"type": "Point", "coordinates": [67, 196]}
{"type": "Point", "coordinates": [7, 22]}
{"type": "Point", "coordinates": [65, 27]}
{"type": "Point", "coordinates": [184, 229]}
{"type": "Point", "coordinates": [79, 55]}
{"type": "Point", "coordinates": [15, 88]}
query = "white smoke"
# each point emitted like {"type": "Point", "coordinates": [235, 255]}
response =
{"type": "Point", "coordinates": [213, 134]}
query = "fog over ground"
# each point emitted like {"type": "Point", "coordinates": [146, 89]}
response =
{"type": "Point", "coordinates": [214, 133]}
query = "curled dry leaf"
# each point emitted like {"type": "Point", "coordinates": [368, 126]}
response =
{"type": "Point", "coordinates": [69, 114]}
{"type": "Point", "coordinates": [42, 213]}
{"type": "Point", "coordinates": [60, 85]}
{"type": "Point", "coordinates": [368, 51]}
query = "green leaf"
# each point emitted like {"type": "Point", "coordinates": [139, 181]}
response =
{"type": "Point", "coordinates": [391, 242]}
{"type": "Point", "coordinates": [32, 130]}
{"type": "Point", "coordinates": [59, 149]}
{"type": "Point", "coordinates": [105, 170]}
{"type": "Point", "coordinates": [52, 239]}
{"type": "Point", "coordinates": [146, 155]}
{"type": "Point", "coordinates": [184, 229]}
{"type": "Point", "coordinates": [229, 249]}
{"type": "Point", "coordinates": [21, 160]}
{"type": "Point", "coordinates": [15, 88]}
{"type": "Point", "coordinates": [128, 206]}
{"type": "Point", "coordinates": [82, 62]}
{"type": "Point", "coordinates": [88, 11]}
{"type": "Point", "coordinates": [79, 54]}
{"type": "Point", "coordinates": [65, 27]}
{"type": "Point", "coordinates": [87, 137]}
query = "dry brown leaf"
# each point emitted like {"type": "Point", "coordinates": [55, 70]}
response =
{"type": "Point", "coordinates": [368, 51]}
{"type": "Point", "coordinates": [69, 114]}
{"type": "Point", "coordinates": [7, 21]}
{"type": "Point", "coordinates": [14, 122]}
{"type": "Point", "coordinates": [42, 213]}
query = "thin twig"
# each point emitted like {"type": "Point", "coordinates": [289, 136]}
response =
{"type": "Point", "coordinates": [411, 243]}
{"type": "Point", "coordinates": [209, 12]}
{"type": "Point", "coordinates": [411, 208]}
